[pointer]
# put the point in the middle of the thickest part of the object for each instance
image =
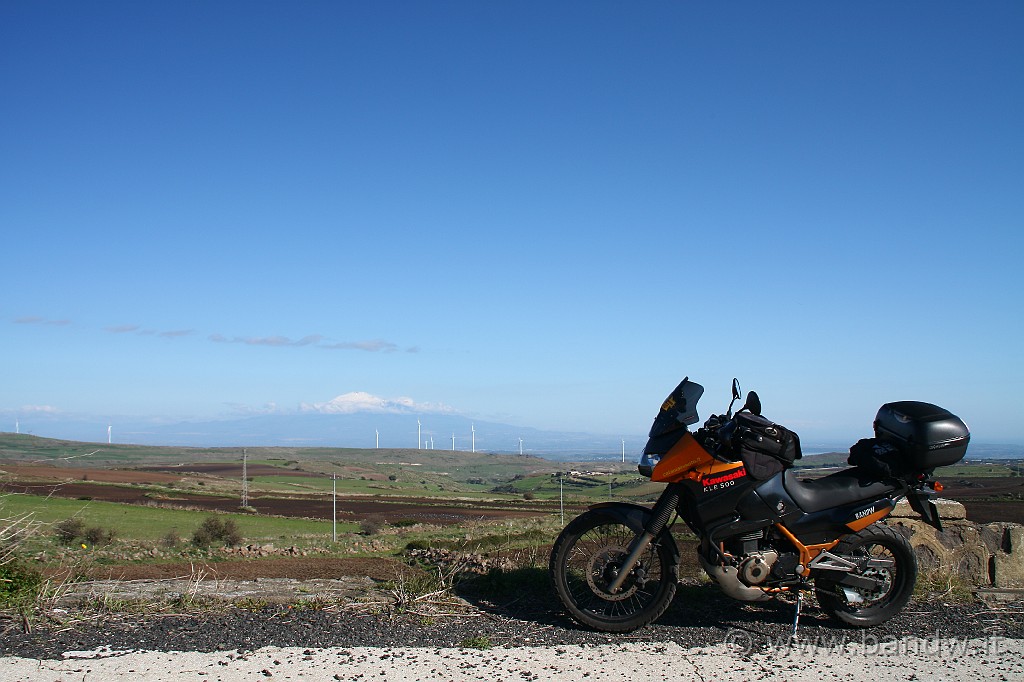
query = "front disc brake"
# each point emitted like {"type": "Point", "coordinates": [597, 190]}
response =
{"type": "Point", "coordinates": [603, 569]}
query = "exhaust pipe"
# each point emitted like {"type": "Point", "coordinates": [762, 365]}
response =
{"type": "Point", "coordinates": [729, 580]}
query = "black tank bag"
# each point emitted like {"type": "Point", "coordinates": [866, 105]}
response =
{"type": "Point", "coordinates": [765, 447]}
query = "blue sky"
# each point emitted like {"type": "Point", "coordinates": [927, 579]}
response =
{"type": "Point", "coordinates": [542, 213]}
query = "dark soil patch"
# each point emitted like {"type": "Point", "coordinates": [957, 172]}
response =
{"type": "Point", "coordinates": [302, 568]}
{"type": "Point", "coordinates": [981, 511]}
{"type": "Point", "coordinates": [231, 470]}
{"type": "Point", "coordinates": [58, 474]}
{"type": "Point", "coordinates": [982, 487]}
{"type": "Point", "coordinates": [420, 510]}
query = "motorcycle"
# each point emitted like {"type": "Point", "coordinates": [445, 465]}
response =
{"type": "Point", "coordinates": [762, 531]}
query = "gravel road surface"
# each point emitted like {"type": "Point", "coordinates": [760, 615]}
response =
{"type": "Point", "coordinates": [704, 635]}
{"type": "Point", "coordinates": [906, 659]}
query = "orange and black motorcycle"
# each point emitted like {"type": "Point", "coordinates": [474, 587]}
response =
{"type": "Point", "coordinates": [762, 531]}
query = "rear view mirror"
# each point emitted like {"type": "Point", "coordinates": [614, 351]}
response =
{"type": "Point", "coordinates": [735, 396]}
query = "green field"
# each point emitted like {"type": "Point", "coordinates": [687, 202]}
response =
{"type": "Point", "coordinates": [971, 470]}
{"type": "Point", "coordinates": [150, 524]}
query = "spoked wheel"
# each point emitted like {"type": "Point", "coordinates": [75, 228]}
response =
{"type": "Point", "coordinates": [882, 555]}
{"type": "Point", "coordinates": [586, 559]}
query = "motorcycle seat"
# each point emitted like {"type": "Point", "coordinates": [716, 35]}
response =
{"type": "Point", "coordinates": [835, 490]}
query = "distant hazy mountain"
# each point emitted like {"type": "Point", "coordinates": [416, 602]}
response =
{"type": "Point", "coordinates": [350, 429]}
{"type": "Point", "coordinates": [358, 420]}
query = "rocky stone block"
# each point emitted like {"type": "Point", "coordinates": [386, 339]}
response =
{"type": "Point", "coordinates": [948, 509]}
{"type": "Point", "coordinates": [1008, 565]}
{"type": "Point", "coordinates": [957, 550]}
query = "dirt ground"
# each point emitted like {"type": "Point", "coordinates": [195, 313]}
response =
{"type": "Point", "coordinates": [299, 568]}
{"type": "Point", "coordinates": [30, 472]}
{"type": "Point", "coordinates": [976, 494]}
{"type": "Point", "coordinates": [986, 499]}
{"type": "Point", "coordinates": [227, 470]}
{"type": "Point", "coordinates": [389, 509]}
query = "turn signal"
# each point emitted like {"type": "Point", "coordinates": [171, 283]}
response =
{"type": "Point", "coordinates": [937, 487]}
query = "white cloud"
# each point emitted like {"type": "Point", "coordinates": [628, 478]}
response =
{"type": "Point", "coordinates": [251, 410]}
{"type": "Point", "coordinates": [373, 346]}
{"type": "Point", "coordinates": [315, 340]}
{"type": "Point", "coordinates": [267, 340]}
{"type": "Point", "coordinates": [35, 319]}
{"type": "Point", "coordinates": [359, 401]}
{"type": "Point", "coordinates": [39, 409]}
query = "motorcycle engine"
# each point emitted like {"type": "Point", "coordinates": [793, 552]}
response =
{"type": "Point", "coordinates": [755, 568]}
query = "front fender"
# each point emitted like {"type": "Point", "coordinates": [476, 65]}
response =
{"type": "Point", "coordinates": [636, 517]}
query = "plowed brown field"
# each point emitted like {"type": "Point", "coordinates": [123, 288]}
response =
{"type": "Point", "coordinates": [389, 509]}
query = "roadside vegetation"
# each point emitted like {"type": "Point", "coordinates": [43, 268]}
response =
{"type": "Point", "coordinates": [49, 541]}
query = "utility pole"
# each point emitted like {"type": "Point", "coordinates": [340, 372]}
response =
{"type": "Point", "coordinates": [561, 498]}
{"type": "Point", "coordinates": [334, 507]}
{"type": "Point", "coordinates": [245, 478]}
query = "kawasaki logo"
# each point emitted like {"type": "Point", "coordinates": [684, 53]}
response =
{"type": "Point", "coordinates": [731, 476]}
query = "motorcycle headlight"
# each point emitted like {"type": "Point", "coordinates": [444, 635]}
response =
{"type": "Point", "coordinates": [647, 464]}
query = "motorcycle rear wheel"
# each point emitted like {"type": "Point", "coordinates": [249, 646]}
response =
{"type": "Point", "coordinates": [585, 559]}
{"type": "Point", "coordinates": [866, 608]}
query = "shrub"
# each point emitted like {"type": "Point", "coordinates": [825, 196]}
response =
{"type": "Point", "coordinates": [214, 529]}
{"type": "Point", "coordinates": [230, 533]}
{"type": "Point", "coordinates": [69, 530]}
{"type": "Point", "coordinates": [202, 537]}
{"type": "Point", "coordinates": [171, 540]}
{"type": "Point", "coordinates": [98, 536]}
{"type": "Point", "coordinates": [370, 526]}
{"type": "Point", "coordinates": [18, 584]}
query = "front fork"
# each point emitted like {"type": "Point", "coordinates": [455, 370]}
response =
{"type": "Point", "coordinates": [662, 512]}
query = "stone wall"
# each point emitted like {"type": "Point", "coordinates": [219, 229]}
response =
{"type": "Point", "coordinates": [984, 555]}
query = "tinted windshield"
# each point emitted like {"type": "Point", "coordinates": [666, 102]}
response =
{"type": "Point", "coordinates": [679, 408]}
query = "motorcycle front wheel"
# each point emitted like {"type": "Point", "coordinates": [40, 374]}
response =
{"type": "Point", "coordinates": [882, 554]}
{"type": "Point", "coordinates": [587, 557]}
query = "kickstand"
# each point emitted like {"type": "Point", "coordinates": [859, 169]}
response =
{"type": "Point", "coordinates": [796, 613]}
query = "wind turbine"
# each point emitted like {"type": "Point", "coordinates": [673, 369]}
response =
{"type": "Point", "coordinates": [17, 426]}
{"type": "Point", "coordinates": [109, 428]}
{"type": "Point", "coordinates": [623, 450]}
{"type": "Point", "coordinates": [419, 437]}
{"type": "Point", "coordinates": [472, 428]}
{"type": "Point", "coordinates": [453, 442]}
{"type": "Point", "coordinates": [520, 446]}
{"type": "Point", "coordinates": [377, 441]}
{"type": "Point", "coordinates": [431, 441]}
